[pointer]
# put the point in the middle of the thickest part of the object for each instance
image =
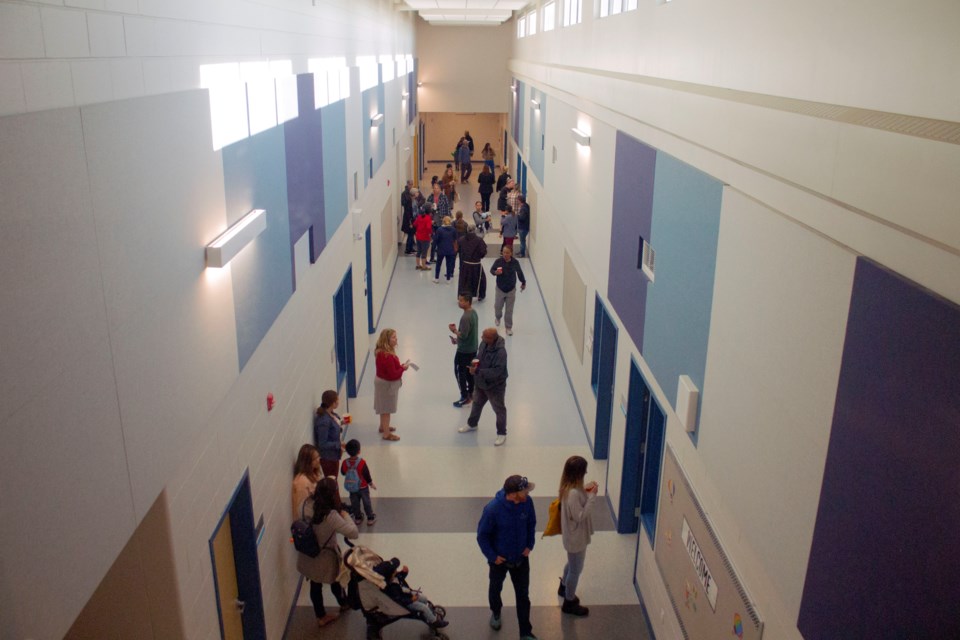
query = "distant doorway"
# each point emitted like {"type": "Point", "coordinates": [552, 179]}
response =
{"type": "Point", "coordinates": [602, 376]}
{"type": "Point", "coordinates": [343, 334]}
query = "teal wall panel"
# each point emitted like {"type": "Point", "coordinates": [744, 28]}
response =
{"type": "Point", "coordinates": [334, 126]}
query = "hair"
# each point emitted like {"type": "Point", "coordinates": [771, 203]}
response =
{"type": "Point", "coordinates": [328, 398]}
{"type": "Point", "coordinates": [449, 165]}
{"type": "Point", "coordinates": [446, 220]}
{"type": "Point", "coordinates": [434, 180]}
{"type": "Point", "coordinates": [486, 168]}
{"type": "Point", "coordinates": [353, 447]}
{"type": "Point", "coordinates": [459, 215]}
{"type": "Point", "coordinates": [466, 298]}
{"type": "Point", "coordinates": [383, 342]}
{"type": "Point", "coordinates": [326, 498]}
{"type": "Point", "coordinates": [522, 198]}
{"type": "Point", "coordinates": [304, 463]}
{"type": "Point", "coordinates": [486, 146]}
{"type": "Point", "coordinates": [572, 478]}
{"type": "Point", "coordinates": [505, 248]}
{"type": "Point", "coordinates": [509, 209]}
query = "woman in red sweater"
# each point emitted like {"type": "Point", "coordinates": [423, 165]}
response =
{"type": "Point", "coordinates": [386, 386]}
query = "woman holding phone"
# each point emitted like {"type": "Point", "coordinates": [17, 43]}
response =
{"type": "Point", "coordinates": [386, 386]}
{"type": "Point", "coordinates": [576, 502]}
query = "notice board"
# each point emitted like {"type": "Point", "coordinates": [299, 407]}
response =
{"type": "Point", "coordinates": [706, 593]}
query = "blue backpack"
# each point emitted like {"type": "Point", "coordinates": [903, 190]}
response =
{"type": "Point", "coordinates": [351, 480]}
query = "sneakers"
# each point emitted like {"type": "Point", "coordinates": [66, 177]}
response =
{"type": "Point", "coordinates": [499, 441]}
{"type": "Point", "coordinates": [439, 624]}
{"type": "Point", "coordinates": [528, 637]}
{"type": "Point", "coordinates": [466, 429]}
{"type": "Point", "coordinates": [462, 402]}
{"type": "Point", "coordinates": [436, 281]}
{"type": "Point", "coordinates": [495, 622]}
{"type": "Point", "coordinates": [509, 332]}
{"type": "Point", "coordinates": [358, 521]}
{"type": "Point", "coordinates": [372, 520]}
{"type": "Point", "coordinates": [497, 322]}
{"type": "Point", "coordinates": [573, 608]}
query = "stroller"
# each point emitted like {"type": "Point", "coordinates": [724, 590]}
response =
{"type": "Point", "coordinates": [378, 608]}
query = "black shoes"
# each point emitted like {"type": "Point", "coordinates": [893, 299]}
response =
{"type": "Point", "coordinates": [573, 607]}
{"type": "Point", "coordinates": [462, 402]}
{"type": "Point", "coordinates": [562, 589]}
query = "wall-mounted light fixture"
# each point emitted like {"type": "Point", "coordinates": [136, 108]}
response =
{"type": "Point", "coordinates": [419, 83]}
{"type": "Point", "coordinates": [405, 94]}
{"type": "Point", "coordinates": [535, 103]}
{"type": "Point", "coordinates": [376, 120]}
{"type": "Point", "coordinates": [513, 88]}
{"type": "Point", "coordinates": [229, 243]}
{"type": "Point", "coordinates": [580, 137]}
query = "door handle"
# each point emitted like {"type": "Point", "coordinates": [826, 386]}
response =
{"type": "Point", "coordinates": [240, 604]}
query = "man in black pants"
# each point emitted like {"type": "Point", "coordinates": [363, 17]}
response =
{"type": "Point", "coordinates": [466, 337]}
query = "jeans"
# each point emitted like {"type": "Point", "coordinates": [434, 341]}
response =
{"type": "Point", "coordinates": [496, 397]}
{"type": "Point", "coordinates": [466, 168]}
{"type": "Point", "coordinates": [411, 243]}
{"type": "Point", "coordinates": [362, 496]}
{"type": "Point", "coordinates": [450, 260]}
{"type": "Point", "coordinates": [461, 364]}
{"type": "Point", "coordinates": [504, 298]}
{"type": "Point", "coordinates": [421, 607]}
{"type": "Point", "coordinates": [523, 243]}
{"type": "Point", "coordinates": [520, 576]}
{"type": "Point", "coordinates": [572, 571]}
{"type": "Point", "coordinates": [316, 597]}
{"type": "Point", "coordinates": [485, 201]}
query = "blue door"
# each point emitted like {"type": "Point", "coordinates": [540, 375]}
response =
{"type": "Point", "coordinates": [369, 292]}
{"type": "Point", "coordinates": [602, 376]}
{"type": "Point", "coordinates": [343, 334]}
{"type": "Point", "coordinates": [634, 445]}
{"type": "Point", "coordinates": [652, 462]}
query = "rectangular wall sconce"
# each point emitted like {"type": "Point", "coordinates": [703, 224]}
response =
{"type": "Point", "coordinates": [376, 120]}
{"type": "Point", "coordinates": [405, 94]}
{"type": "Point", "coordinates": [229, 243]}
{"type": "Point", "coordinates": [513, 88]}
{"type": "Point", "coordinates": [580, 137]}
{"type": "Point", "coordinates": [688, 396]}
{"type": "Point", "coordinates": [535, 103]}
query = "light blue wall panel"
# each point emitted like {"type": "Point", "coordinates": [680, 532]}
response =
{"type": "Point", "coordinates": [538, 127]}
{"type": "Point", "coordinates": [686, 223]}
{"type": "Point", "coordinates": [374, 138]}
{"type": "Point", "coordinates": [334, 125]}
{"type": "Point", "coordinates": [255, 177]}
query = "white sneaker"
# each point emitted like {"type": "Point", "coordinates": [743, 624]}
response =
{"type": "Point", "coordinates": [466, 429]}
{"type": "Point", "coordinates": [497, 322]}
{"type": "Point", "coordinates": [509, 332]}
{"type": "Point", "coordinates": [436, 281]}
{"type": "Point", "coordinates": [499, 441]}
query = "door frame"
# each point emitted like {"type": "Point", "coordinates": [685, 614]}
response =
{"type": "Point", "coordinates": [604, 392]}
{"type": "Point", "coordinates": [371, 328]}
{"type": "Point", "coordinates": [343, 333]}
{"type": "Point", "coordinates": [247, 563]}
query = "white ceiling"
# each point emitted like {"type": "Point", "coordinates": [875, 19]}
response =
{"type": "Point", "coordinates": [459, 12]}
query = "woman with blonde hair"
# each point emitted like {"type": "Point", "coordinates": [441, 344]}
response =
{"type": "Point", "coordinates": [446, 242]}
{"type": "Point", "coordinates": [306, 474]}
{"type": "Point", "coordinates": [386, 385]}
{"type": "Point", "coordinates": [576, 501]}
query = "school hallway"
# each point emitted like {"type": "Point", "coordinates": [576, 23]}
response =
{"type": "Point", "coordinates": [432, 484]}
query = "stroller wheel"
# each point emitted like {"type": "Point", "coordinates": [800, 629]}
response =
{"type": "Point", "coordinates": [440, 611]}
{"type": "Point", "coordinates": [373, 633]}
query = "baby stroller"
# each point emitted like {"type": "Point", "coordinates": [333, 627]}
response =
{"type": "Point", "coordinates": [379, 609]}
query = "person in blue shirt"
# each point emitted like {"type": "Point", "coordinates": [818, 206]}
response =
{"type": "Point", "coordinates": [506, 538]}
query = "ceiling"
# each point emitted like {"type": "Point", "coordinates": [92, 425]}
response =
{"type": "Point", "coordinates": [461, 12]}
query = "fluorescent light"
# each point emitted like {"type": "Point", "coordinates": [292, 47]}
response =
{"type": "Point", "coordinates": [233, 240]}
{"type": "Point", "coordinates": [580, 137]}
{"type": "Point", "coordinates": [376, 120]}
{"type": "Point", "coordinates": [535, 103]}
{"type": "Point", "coordinates": [405, 94]}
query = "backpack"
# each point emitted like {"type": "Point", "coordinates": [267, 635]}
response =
{"type": "Point", "coordinates": [303, 536]}
{"type": "Point", "coordinates": [554, 526]}
{"type": "Point", "coordinates": [351, 481]}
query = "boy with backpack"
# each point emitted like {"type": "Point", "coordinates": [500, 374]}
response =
{"type": "Point", "coordinates": [357, 482]}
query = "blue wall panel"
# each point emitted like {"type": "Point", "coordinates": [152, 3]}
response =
{"type": "Point", "coordinates": [374, 138]}
{"type": "Point", "coordinates": [304, 156]}
{"type": "Point", "coordinates": [686, 224]}
{"type": "Point", "coordinates": [633, 176]}
{"type": "Point", "coordinates": [538, 127]}
{"type": "Point", "coordinates": [334, 125]}
{"type": "Point", "coordinates": [884, 562]}
{"type": "Point", "coordinates": [254, 174]}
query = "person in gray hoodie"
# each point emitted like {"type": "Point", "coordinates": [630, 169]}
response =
{"type": "Point", "coordinates": [490, 383]}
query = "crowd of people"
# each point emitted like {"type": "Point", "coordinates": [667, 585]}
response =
{"type": "Point", "coordinates": [440, 238]}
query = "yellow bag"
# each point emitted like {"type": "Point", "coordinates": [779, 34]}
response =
{"type": "Point", "coordinates": [553, 520]}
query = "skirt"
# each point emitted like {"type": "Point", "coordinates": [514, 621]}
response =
{"type": "Point", "coordinates": [385, 393]}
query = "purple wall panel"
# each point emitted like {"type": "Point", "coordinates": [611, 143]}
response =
{"type": "Point", "coordinates": [634, 171]}
{"type": "Point", "coordinates": [885, 559]}
{"type": "Point", "coordinates": [304, 151]}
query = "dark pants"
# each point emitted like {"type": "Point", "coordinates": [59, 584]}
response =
{"type": "Point", "coordinates": [461, 369]}
{"type": "Point", "coordinates": [330, 468]}
{"type": "Point", "coordinates": [450, 262]}
{"type": "Point", "coordinates": [362, 496]}
{"type": "Point", "coordinates": [411, 246]}
{"type": "Point", "coordinates": [473, 281]}
{"type": "Point", "coordinates": [433, 244]}
{"type": "Point", "coordinates": [466, 168]}
{"type": "Point", "coordinates": [520, 576]}
{"type": "Point", "coordinates": [496, 397]}
{"type": "Point", "coordinates": [485, 202]}
{"type": "Point", "coordinates": [316, 596]}
{"type": "Point", "coordinates": [523, 243]}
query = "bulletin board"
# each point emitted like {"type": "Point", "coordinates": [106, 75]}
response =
{"type": "Point", "coordinates": [706, 593]}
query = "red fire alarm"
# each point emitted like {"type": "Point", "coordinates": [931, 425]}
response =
{"type": "Point", "coordinates": [269, 401]}
{"type": "Point", "coordinates": [388, 182]}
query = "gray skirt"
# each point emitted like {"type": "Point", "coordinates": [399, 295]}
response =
{"type": "Point", "coordinates": [385, 393]}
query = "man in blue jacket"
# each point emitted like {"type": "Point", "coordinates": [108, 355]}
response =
{"type": "Point", "coordinates": [506, 537]}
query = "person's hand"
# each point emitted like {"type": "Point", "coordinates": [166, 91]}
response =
{"type": "Point", "coordinates": [592, 487]}
{"type": "Point", "coordinates": [344, 514]}
{"type": "Point", "coordinates": [415, 597]}
{"type": "Point", "coordinates": [453, 327]}
{"type": "Point", "coordinates": [523, 286]}
{"type": "Point", "coordinates": [453, 339]}
{"type": "Point", "coordinates": [499, 560]}
{"type": "Point", "coordinates": [472, 370]}
{"type": "Point", "coordinates": [404, 569]}
{"type": "Point", "coordinates": [375, 488]}
{"type": "Point", "coordinates": [526, 553]}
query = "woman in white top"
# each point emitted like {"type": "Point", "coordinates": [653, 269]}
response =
{"type": "Point", "coordinates": [576, 502]}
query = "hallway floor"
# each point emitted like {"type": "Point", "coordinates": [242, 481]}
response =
{"type": "Point", "coordinates": [433, 482]}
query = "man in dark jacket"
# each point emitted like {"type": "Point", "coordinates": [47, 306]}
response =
{"type": "Point", "coordinates": [490, 383]}
{"type": "Point", "coordinates": [506, 537]}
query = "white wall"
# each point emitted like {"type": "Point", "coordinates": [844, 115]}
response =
{"type": "Point", "coordinates": [805, 196]}
{"type": "Point", "coordinates": [119, 368]}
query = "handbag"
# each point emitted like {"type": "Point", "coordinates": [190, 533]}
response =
{"type": "Point", "coordinates": [554, 526]}
{"type": "Point", "coordinates": [303, 536]}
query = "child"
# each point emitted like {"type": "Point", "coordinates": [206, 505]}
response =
{"type": "Point", "coordinates": [401, 593]}
{"type": "Point", "coordinates": [357, 482]}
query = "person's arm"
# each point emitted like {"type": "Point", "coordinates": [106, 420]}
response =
{"type": "Point", "coordinates": [344, 526]}
{"type": "Point", "coordinates": [486, 533]}
{"type": "Point", "coordinates": [496, 265]}
{"type": "Point", "coordinates": [531, 529]}
{"type": "Point", "coordinates": [365, 472]}
{"type": "Point", "coordinates": [573, 509]}
{"type": "Point", "coordinates": [523, 281]}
